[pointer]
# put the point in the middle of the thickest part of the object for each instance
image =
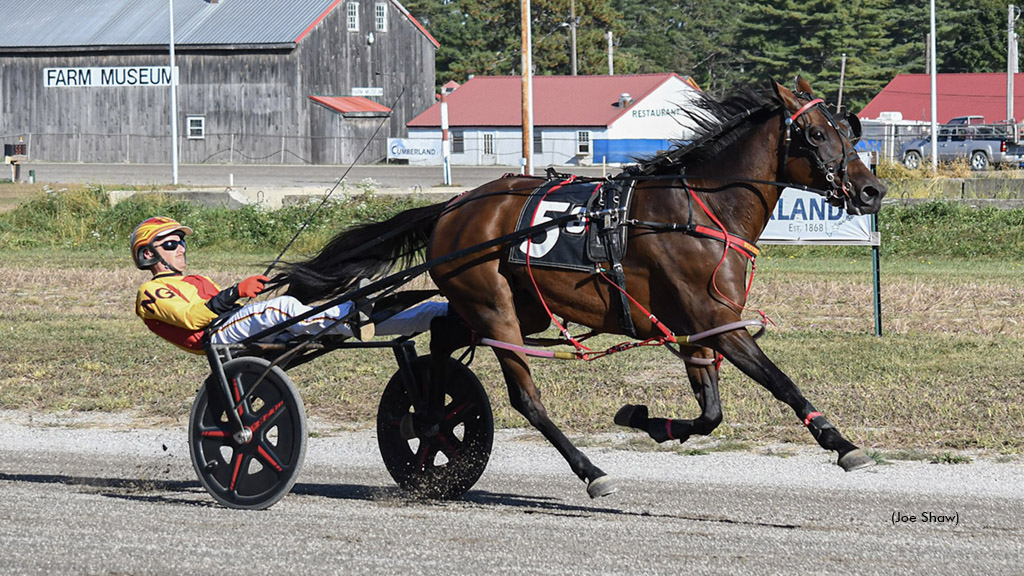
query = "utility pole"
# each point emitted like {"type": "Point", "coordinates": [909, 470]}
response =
{"type": "Point", "coordinates": [174, 103]}
{"type": "Point", "coordinates": [572, 33]}
{"type": "Point", "coordinates": [842, 77]}
{"type": "Point", "coordinates": [446, 145]}
{"type": "Point", "coordinates": [611, 60]}
{"type": "Point", "coordinates": [1011, 60]}
{"type": "Point", "coordinates": [934, 91]}
{"type": "Point", "coordinates": [527, 89]}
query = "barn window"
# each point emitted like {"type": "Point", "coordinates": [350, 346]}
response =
{"type": "Point", "coordinates": [538, 142]}
{"type": "Point", "coordinates": [458, 142]}
{"type": "Point", "coordinates": [583, 143]}
{"type": "Point", "coordinates": [488, 143]}
{"type": "Point", "coordinates": [380, 17]}
{"type": "Point", "coordinates": [353, 16]}
{"type": "Point", "coordinates": [196, 127]}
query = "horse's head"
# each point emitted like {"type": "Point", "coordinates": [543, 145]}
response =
{"type": "Point", "coordinates": [818, 151]}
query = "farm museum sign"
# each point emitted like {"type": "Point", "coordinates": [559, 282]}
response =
{"type": "Point", "coordinates": [94, 77]}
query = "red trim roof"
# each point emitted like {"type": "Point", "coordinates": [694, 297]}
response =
{"type": "Point", "coordinates": [317, 21]}
{"type": "Point", "coordinates": [982, 94]}
{"type": "Point", "coordinates": [351, 105]}
{"type": "Point", "coordinates": [396, 4]}
{"type": "Point", "coordinates": [416, 23]}
{"type": "Point", "coordinates": [557, 100]}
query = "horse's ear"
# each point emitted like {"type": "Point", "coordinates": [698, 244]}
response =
{"type": "Point", "coordinates": [803, 85]}
{"type": "Point", "coordinates": [788, 99]}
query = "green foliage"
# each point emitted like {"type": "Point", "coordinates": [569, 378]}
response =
{"type": "Point", "coordinates": [951, 229]}
{"type": "Point", "coordinates": [722, 45]}
{"type": "Point", "coordinates": [85, 220]}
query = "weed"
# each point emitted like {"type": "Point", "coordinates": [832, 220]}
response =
{"type": "Point", "coordinates": [950, 458]}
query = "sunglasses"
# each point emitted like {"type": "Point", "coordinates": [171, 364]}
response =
{"type": "Point", "coordinates": [171, 245]}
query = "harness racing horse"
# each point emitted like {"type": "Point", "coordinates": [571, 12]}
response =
{"type": "Point", "coordinates": [697, 211]}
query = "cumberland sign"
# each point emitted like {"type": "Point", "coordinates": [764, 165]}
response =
{"type": "Point", "coordinates": [107, 76]}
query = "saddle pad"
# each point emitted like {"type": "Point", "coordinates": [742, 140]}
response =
{"type": "Point", "coordinates": [563, 247]}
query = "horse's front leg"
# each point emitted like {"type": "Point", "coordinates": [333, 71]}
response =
{"type": "Point", "coordinates": [702, 371]}
{"type": "Point", "coordinates": [739, 347]}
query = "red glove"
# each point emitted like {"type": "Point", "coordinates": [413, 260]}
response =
{"type": "Point", "coordinates": [251, 286]}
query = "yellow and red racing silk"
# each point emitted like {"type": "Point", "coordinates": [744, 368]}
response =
{"type": "Point", "coordinates": [174, 307]}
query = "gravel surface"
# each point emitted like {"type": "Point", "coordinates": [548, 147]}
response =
{"type": "Point", "coordinates": [97, 495]}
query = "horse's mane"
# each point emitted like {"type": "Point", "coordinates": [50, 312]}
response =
{"type": "Point", "coordinates": [718, 124]}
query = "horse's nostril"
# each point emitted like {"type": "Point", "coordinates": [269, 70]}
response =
{"type": "Point", "coordinates": [870, 193]}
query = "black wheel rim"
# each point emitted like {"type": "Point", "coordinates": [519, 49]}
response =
{"type": "Point", "coordinates": [256, 474]}
{"type": "Point", "coordinates": [449, 463]}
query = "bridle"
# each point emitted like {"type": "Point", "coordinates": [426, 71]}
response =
{"type": "Point", "coordinates": [834, 168]}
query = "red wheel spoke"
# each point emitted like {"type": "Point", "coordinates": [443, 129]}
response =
{"type": "Point", "coordinates": [269, 458]}
{"type": "Point", "coordinates": [237, 468]}
{"type": "Point", "coordinates": [457, 410]}
{"type": "Point", "coordinates": [450, 445]}
{"type": "Point", "coordinates": [266, 417]}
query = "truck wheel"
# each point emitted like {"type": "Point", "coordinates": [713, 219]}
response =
{"type": "Point", "coordinates": [979, 160]}
{"type": "Point", "coordinates": [912, 159]}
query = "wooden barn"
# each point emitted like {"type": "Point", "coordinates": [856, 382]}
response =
{"type": "Point", "coordinates": [259, 81]}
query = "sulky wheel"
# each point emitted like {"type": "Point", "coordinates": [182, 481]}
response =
{"type": "Point", "coordinates": [255, 474]}
{"type": "Point", "coordinates": [448, 463]}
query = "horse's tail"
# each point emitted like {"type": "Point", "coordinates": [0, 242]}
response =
{"type": "Point", "coordinates": [364, 251]}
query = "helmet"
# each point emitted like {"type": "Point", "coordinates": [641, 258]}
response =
{"type": "Point", "coordinates": [145, 235]}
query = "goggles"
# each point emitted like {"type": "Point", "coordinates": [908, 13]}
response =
{"type": "Point", "coordinates": [172, 244]}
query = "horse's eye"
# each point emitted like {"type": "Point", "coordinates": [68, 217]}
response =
{"type": "Point", "coordinates": [817, 135]}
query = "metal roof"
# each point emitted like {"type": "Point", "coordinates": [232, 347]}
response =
{"type": "Point", "coordinates": [982, 94]}
{"type": "Point", "coordinates": [114, 23]}
{"type": "Point", "coordinates": [351, 106]}
{"type": "Point", "coordinates": [557, 100]}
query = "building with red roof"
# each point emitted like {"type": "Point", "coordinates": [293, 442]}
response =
{"type": "Point", "coordinates": [576, 119]}
{"type": "Point", "coordinates": [982, 94]}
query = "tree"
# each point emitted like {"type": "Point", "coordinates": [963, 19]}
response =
{"type": "Point", "coordinates": [973, 38]}
{"type": "Point", "coordinates": [689, 37]}
{"type": "Point", "coordinates": [783, 38]}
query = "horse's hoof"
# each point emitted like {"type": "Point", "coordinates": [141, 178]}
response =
{"type": "Point", "coordinates": [602, 486]}
{"type": "Point", "coordinates": [632, 416]}
{"type": "Point", "coordinates": [855, 460]}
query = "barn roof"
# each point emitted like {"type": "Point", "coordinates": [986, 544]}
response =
{"type": "Point", "coordinates": [981, 94]}
{"type": "Point", "coordinates": [557, 100]}
{"type": "Point", "coordinates": [43, 24]}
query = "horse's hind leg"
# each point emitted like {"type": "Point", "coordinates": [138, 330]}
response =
{"type": "Point", "coordinates": [743, 352]}
{"type": "Point", "coordinates": [703, 376]}
{"type": "Point", "coordinates": [495, 314]}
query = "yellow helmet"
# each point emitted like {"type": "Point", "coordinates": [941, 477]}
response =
{"type": "Point", "coordinates": [148, 232]}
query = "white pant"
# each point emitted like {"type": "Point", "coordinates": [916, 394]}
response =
{"type": "Point", "coordinates": [258, 316]}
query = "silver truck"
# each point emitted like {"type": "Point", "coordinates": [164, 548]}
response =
{"type": "Point", "coordinates": [966, 137]}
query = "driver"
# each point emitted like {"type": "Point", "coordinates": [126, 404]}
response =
{"type": "Point", "coordinates": [178, 307]}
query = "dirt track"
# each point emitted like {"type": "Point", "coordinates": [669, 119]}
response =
{"type": "Point", "coordinates": [102, 500]}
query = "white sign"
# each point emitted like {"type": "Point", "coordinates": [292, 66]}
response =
{"type": "Point", "coordinates": [415, 150]}
{"type": "Point", "coordinates": [371, 91]}
{"type": "Point", "coordinates": [93, 77]}
{"type": "Point", "coordinates": [801, 217]}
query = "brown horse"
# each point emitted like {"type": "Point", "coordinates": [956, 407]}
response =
{"type": "Point", "coordinates": [696, 212]}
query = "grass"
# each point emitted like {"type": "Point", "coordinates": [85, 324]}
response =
{"type": "Point", "coordinates": [936, 381]}
{"type": "Point", "coordinates": [946, 376]}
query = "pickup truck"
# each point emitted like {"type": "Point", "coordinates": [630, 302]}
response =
{"type": "Point", "coordinates": [981, 144]}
